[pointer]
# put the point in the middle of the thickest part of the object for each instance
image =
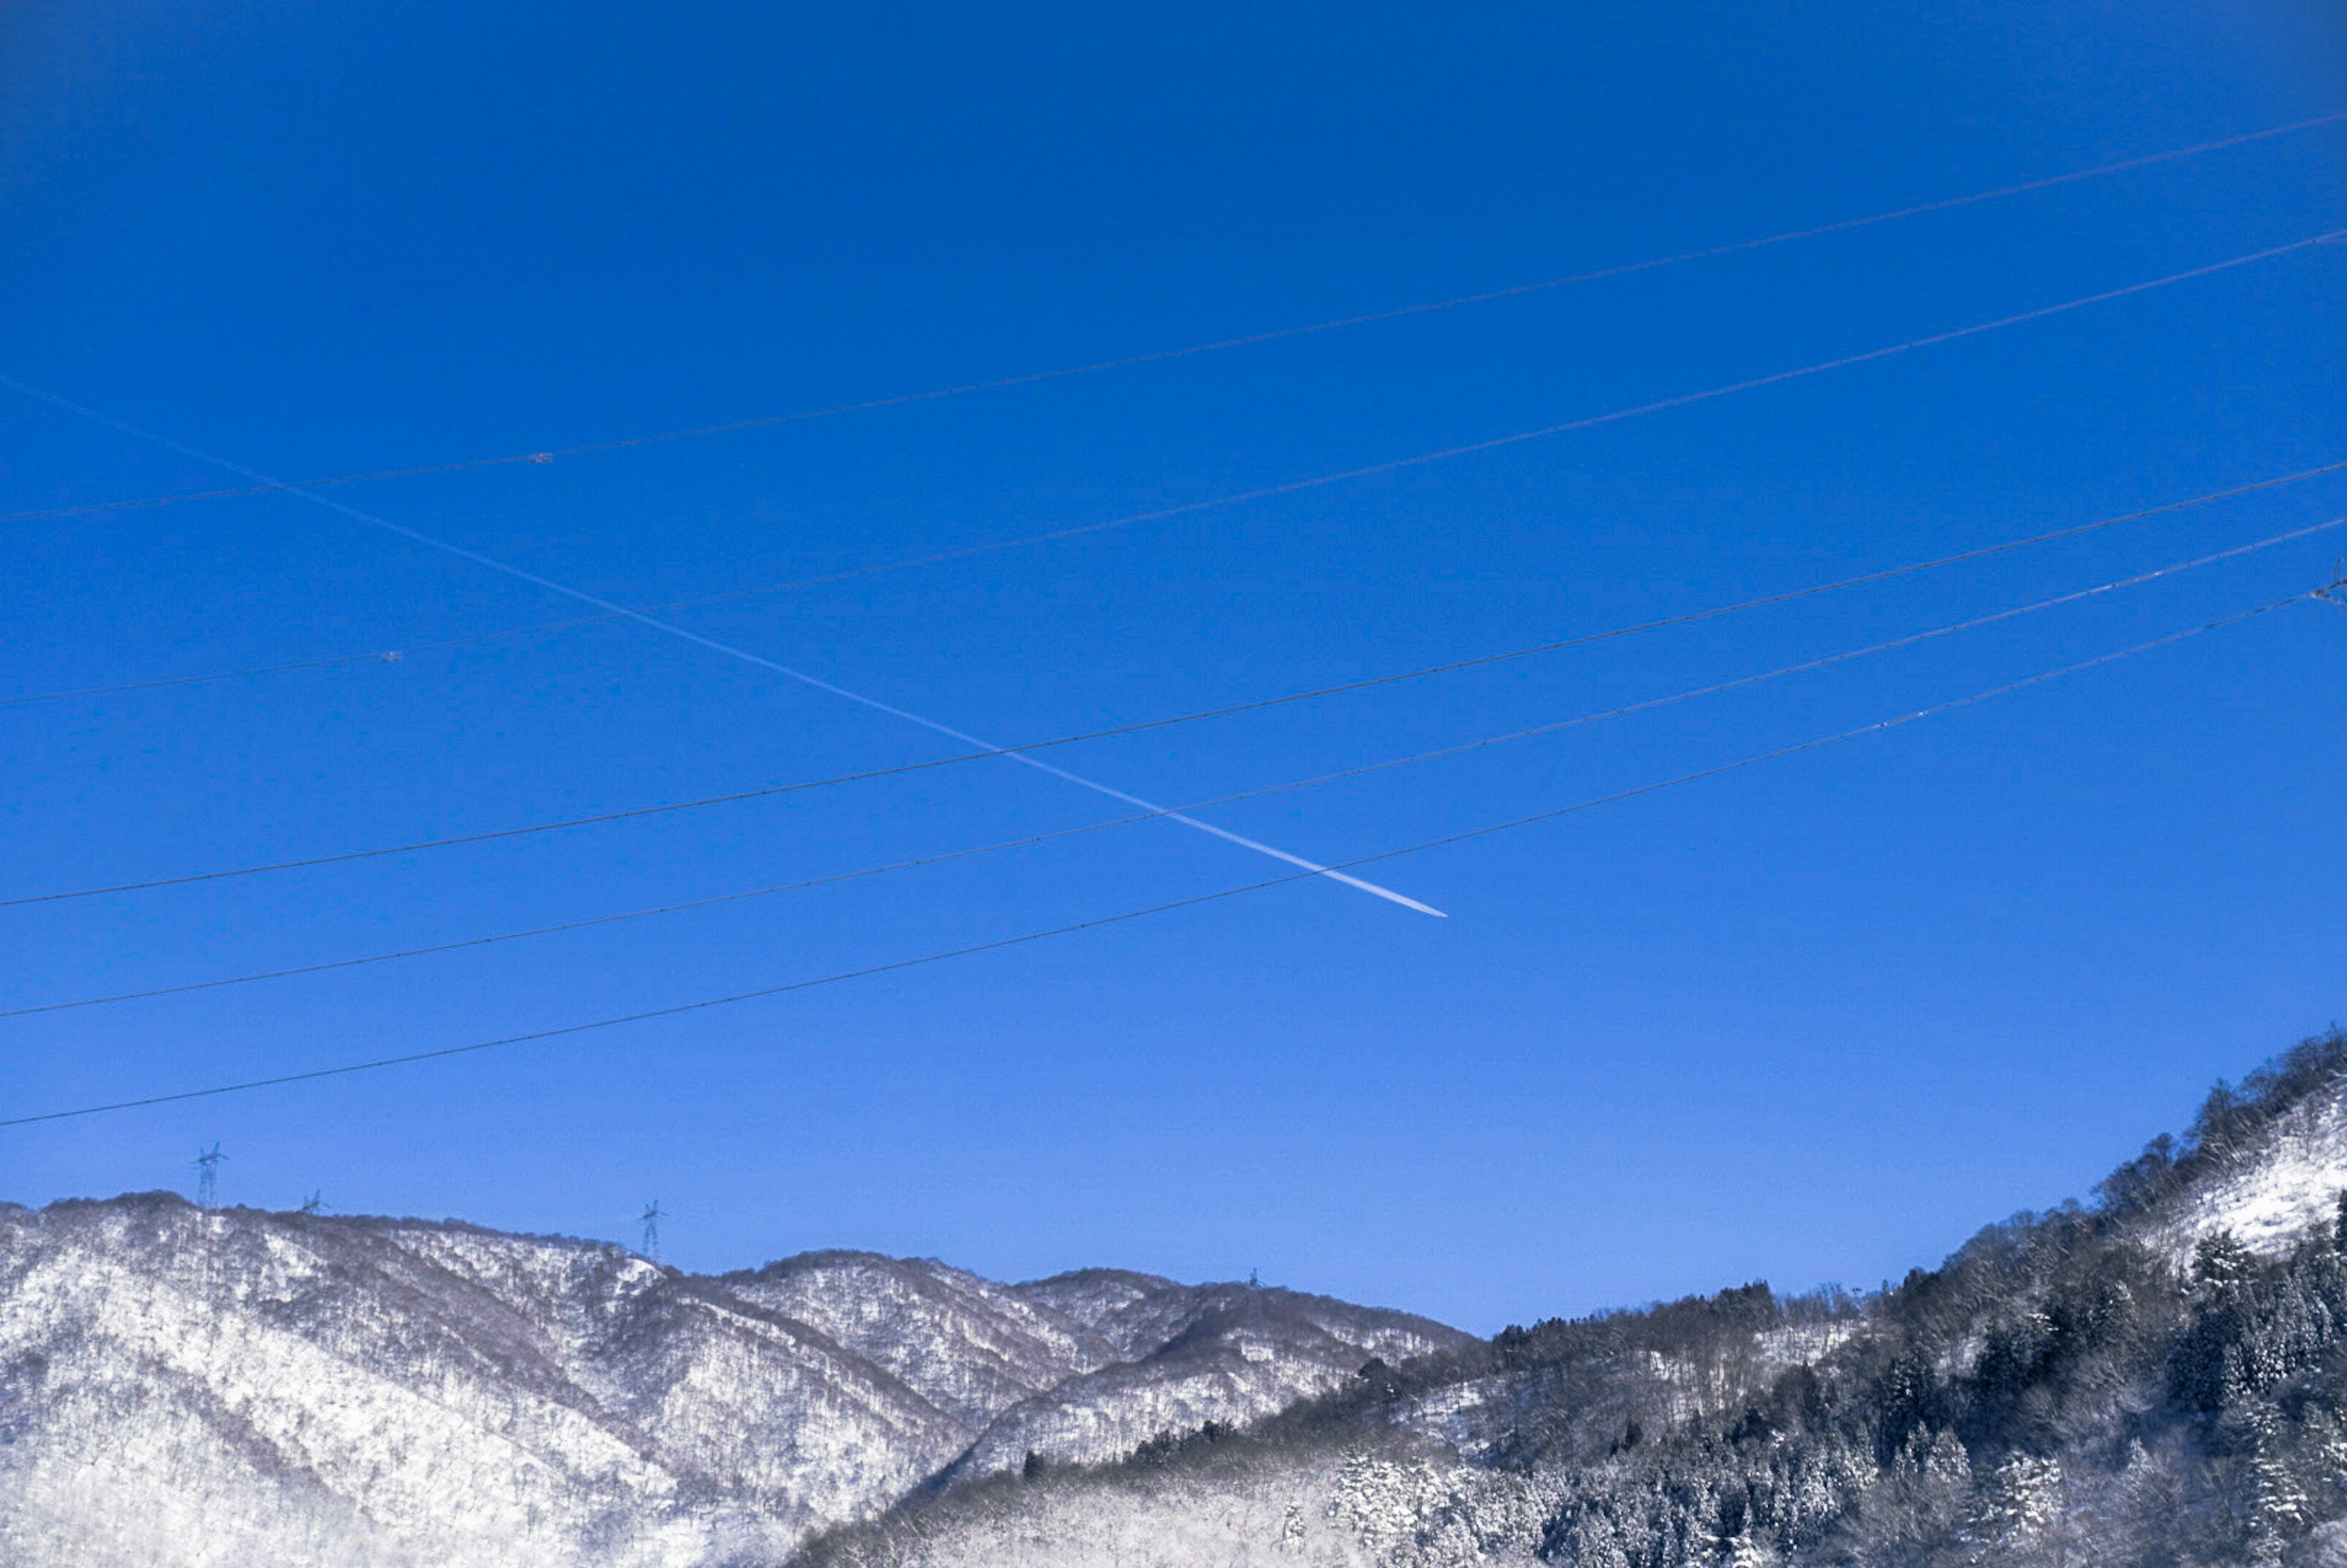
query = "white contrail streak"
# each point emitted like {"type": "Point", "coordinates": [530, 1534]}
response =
{"type": "Point", "coordinates": [729, 650]}
{"type": "Point", "coordinates": [898, 966]}
{"type": "Point", "coordinates": [1288, 487]}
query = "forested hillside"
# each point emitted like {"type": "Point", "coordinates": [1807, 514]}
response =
{"type": "Point", "coordinates": [2155, 1377]}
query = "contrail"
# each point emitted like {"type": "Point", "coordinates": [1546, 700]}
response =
{"type": "Point", "coordinates": [897, 966]}
{"type": "Point", "coordinates": [1360, 770]}
{"type": "Point", "coordinates": [729, 650]}
{"type": "Point", "coordinates": [1287, 488]}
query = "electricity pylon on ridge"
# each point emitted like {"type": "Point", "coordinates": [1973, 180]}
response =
{"type": "Point", "coordinates": [208, 1176]}
{"type": "Point", "coordinates": [652, 1215]}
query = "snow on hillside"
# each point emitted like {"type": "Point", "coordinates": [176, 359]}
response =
{"type": "Point", "coordinates": [1364, 1509]}
{"type": "Point", "coordinates": [180, 1387]}
{"type": "Point", "coordinates": [1224, 1353]}
{"type": "Point", "coordinates": [2270, 1193]}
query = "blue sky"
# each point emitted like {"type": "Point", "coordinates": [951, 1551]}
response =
{"type": "Point", "coordinates": [1817, 1020]}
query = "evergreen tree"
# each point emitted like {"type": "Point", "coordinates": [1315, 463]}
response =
{"type": "Point", "coordinates": [2278, 1511]}
{"type": "Point", "coordinates": [2220, 1261]}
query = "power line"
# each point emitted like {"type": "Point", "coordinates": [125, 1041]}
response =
{"type": "Point", "coordinates": [672, 629]}
{"type": "Point", "coordinates": [1357, 771]}
{"type": "Point", "coordinates": [1156, 356]}
{"type": "Point", "coordinates": [1140, 726]}
{"type": "Point", "coordinates": [1288, 487]}
{"type": "Point", "coordinates": [613, 612]}
{"type": "Point", "coordinates": [399, 655]}
{"type": "Point", "coordinates": [1291, 486]}
{"type": "Point", "coordinates": [325, 662]}
{"type": "Point", "coordinates": [1465, 835]}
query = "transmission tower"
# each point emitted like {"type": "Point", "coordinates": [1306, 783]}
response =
{"type": "Point", "coordinates": [208, 1176]}
{"type": "Point", "coordinates": [652, 1215]}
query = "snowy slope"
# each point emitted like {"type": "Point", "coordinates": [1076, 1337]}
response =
{"type": "Point", "coordinates": [1229, 1353]}
{"type": "Point", "coordinates": [1381, 1506]}
{"type": "Point", "coordinates": [1476, 1470]}
{"type": "Point", "coordinates": [179, 1387]}
{"type": "Point", "coordinates": [971, 1348]}
{"type": "Point", "coordinates": [2268, 1194]}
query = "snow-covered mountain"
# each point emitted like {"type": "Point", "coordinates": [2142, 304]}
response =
{"type": "Point", "coordinates": [179, 1385]}
{"type": "Point", "coordinates": [2110, 1384]}
{"type": "Point", "coordinates": [2157, 1379]}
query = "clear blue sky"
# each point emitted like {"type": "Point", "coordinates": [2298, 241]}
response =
{"type": "Point", "coordinates": [1816, 1020]}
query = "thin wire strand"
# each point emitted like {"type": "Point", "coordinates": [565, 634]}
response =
{"type": "Point", "coordinates": [1214, 345]}
{"type": "Point", "coordinates": [758, 661]}
{"type": "Point", "coordinates": [1357, 771]}
{"type": "Point", "coordinates": [1288, 487]}
{"type": "Point", "coordinates": [1096, 923]}
{"type": "Point", "coordinates": [398, 655]}
{"type": "Point", "coordinates": [1310, 482]}
{"type": "Point", "coordinates": [1140, 726]}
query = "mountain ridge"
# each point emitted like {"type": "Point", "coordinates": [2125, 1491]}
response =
{"type": "Point", "coordinates": [386, 1386]}
{"type": "Point", "coordinates": [2154, 1378]}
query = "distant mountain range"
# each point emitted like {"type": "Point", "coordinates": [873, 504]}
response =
{"type": "Point", "coordinates": [183, 1385]}
{"type": "Point", "coordinates": [2154, 1379]}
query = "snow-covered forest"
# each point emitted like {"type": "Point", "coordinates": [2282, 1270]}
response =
{"type": "Point", "coordinates": [2155, 1377]}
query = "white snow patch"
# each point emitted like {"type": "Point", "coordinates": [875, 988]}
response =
{"type": "Point", "coordinates": [2267, 1196]}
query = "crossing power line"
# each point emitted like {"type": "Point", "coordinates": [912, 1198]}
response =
{"type": "Point", "coordinates": [1237, 498]}
{"type": "Point", "coordinates": [401, 654]}
{"type": "Point", "coordinates": [1029, 378]}
{"type": "Point", "coordinates": [1293, 486]}
{"type": "Point", "coordinates": [678, 1010]}
{"type": "Point", "coordinates": [1020, 756]}
{"type": "Point", "coordinates": [1144, 725]}
{"type": "Point", "coordinates": [1030, 841]}
{"type": "Point", "coordinates": [758, 661]}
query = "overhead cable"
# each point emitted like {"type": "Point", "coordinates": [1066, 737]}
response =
{"type": "Point", "coordinates": [1289, 487]}
{"type": "Point", "coordinates": [1096, 923]}
{"type": "Point", "coordinates": [1358, 771]}
{"type": "Point", "coordinates": [732, 651]}
{"type": "Point", "coordinates": [1159, 355]}
{"type": "Point", "coordinates": [1140, 726]}
{"type": "Point", "coordinates": [400, 655]}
